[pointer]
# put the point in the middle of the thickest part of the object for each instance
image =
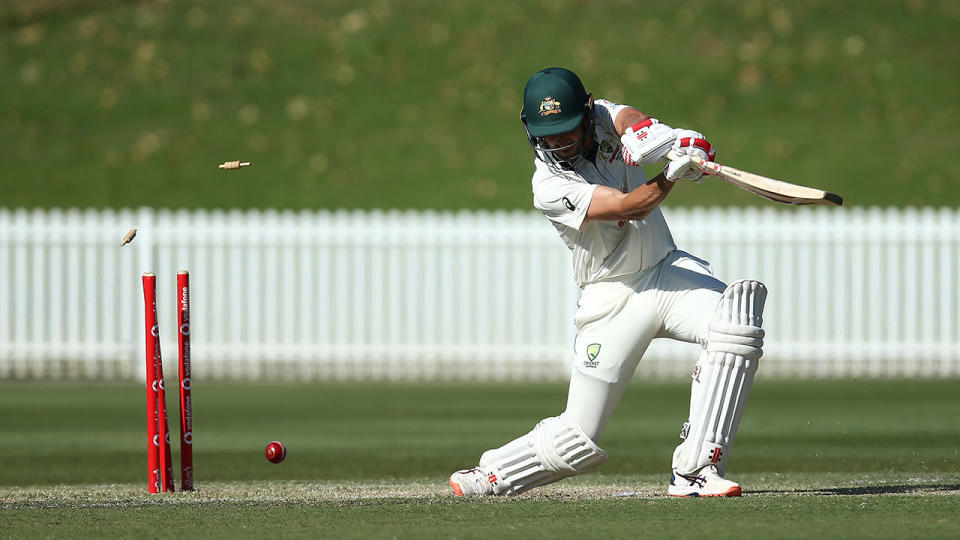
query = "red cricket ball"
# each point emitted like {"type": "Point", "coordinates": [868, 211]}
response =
{"type": "Point", "coordinates": [275, 452]}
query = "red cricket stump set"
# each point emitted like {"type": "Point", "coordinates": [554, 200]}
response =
{"type": "Point", "coordinates": [159, 462]}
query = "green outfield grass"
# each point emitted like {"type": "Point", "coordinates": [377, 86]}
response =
{"type": "Point", "coordinates": [378, 104]}
{"type": "Point", "coordinates": [817, 459]}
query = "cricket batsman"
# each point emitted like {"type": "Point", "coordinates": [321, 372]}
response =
{"type": "Point", "coordinates": [635, 286]}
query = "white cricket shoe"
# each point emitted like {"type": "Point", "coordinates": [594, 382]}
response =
{"type": "Point", "coordinates": [704, 483]}
{"type": "Point", "coordinates": [471, 482]}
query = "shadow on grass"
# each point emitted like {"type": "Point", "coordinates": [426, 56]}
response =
{"type": "Point", "coordinates": [865, 490]}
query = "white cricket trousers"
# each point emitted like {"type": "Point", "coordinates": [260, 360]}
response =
{"type": "Point", "coordinates": [616, 321]}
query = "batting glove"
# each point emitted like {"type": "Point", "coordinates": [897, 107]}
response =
{"type": "Point", "coordinates": [647, 142]}
{"type": "Point", "coordinates": [688, 145]}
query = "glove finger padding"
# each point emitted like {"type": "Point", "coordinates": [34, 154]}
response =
{"type": "Point", "coordinates": [694, 143]}
{"type": "Point", "coordinates": [689, 144]}
{"type": "Point", "coordinates": [647, 142]}
{"type": "Point", "coordinates": [684, 167]}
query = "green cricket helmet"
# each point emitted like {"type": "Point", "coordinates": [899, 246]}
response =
{"type": "Point", "coordinates": [555, 102]}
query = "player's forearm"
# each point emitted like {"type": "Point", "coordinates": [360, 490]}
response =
{"type": "Point", "coordinates": [609, 204]}
{"type": "Point", "coordinates": [627, 118]}
{"type": "Point", "coordinates": [647, 197]}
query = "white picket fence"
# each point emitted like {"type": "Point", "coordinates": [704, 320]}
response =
{"type": "Point", "coordinates": [444, 295]}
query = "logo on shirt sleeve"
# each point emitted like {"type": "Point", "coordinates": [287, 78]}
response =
{"type": "Point", "coordinates": [568, 204]}
{"type": "Point", "coordinates": [606, 148]}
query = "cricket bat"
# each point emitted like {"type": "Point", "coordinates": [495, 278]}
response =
{"type": "Point", "coordinates": [768, 188]}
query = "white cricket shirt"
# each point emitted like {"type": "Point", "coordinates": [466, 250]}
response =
{"type": "Point", "coordinates": [601, 249]}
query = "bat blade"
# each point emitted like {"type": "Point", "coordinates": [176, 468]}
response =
{"type": "Point", "coordinates": [768, 188]}
{"type": "Point", "coordinates": [776, 190]}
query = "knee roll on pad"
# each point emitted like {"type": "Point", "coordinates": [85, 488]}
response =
{"type": "Point", "coordinates": [555, 449]}
{"type": "Point", "coordinates": [723, 377]}
{"type": "Point", "coordinates": [737, 339]}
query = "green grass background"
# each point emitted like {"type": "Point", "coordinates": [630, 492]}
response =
{"type": "Point", "coordinates": [819, 459]}
{"type": "Point", "coordinates": [76, 433]}
{"type": "Point", "coordinates": [415, 104]}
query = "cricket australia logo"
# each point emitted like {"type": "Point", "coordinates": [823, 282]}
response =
{"type": "Point", "coordinates": [549, 106]}
{"type": "Point", "coordinates": [593, 350]}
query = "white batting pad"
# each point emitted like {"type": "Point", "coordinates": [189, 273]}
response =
{"type": "Point", "coordinates": [723, 377]}
{"type": "Point", "coordinates": [555, 449]}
